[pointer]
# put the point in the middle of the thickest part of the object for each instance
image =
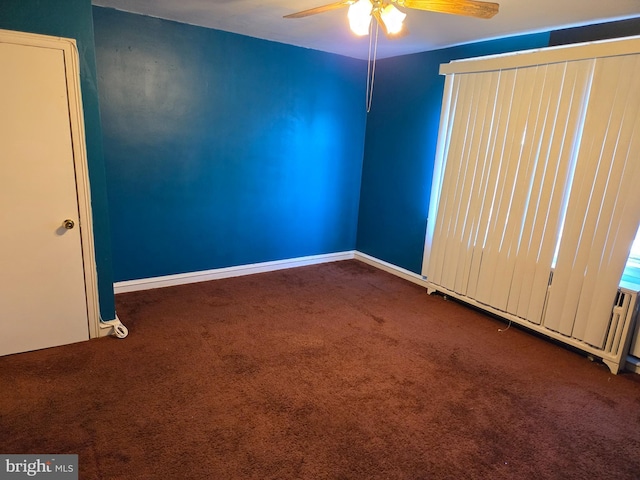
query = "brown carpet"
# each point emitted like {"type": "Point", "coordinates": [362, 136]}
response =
{"type": "Point", "coordinates": [334, 371]}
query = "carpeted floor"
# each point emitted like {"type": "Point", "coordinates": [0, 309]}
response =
{"type": "Point", "coordinates": [333, 371]}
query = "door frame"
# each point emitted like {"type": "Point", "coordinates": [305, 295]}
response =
{"type": "Point", "coordinates": [78, 143]}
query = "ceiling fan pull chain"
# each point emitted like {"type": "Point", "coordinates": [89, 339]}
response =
{"type": "Point", "coordinates": [371, 66]}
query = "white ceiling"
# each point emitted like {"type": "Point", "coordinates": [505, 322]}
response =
{"type": "Point", "coordinates": [330, 32]}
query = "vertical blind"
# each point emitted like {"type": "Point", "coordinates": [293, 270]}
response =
{"type": "Point", "coordinates": [536, 167]}
{"type": "Point", "coordinates": [604, 205]}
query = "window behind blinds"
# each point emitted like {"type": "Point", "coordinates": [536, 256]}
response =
{"type": "Point", "coordinates": [529, 149]}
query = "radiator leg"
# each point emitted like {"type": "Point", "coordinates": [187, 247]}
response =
{"type": "Point", "coordinates": [613, 366]}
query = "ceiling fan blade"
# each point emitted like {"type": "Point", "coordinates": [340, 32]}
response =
{"type": "Point", "coordinates": [471, 8]}
{"type": "Point", "coordinates": [322, 9]}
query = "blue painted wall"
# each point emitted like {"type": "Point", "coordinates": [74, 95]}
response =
{"type": "Point", "coordinates": [401, 136]}
{"type": "Point", "coordinates": [223, 149]}
{"type": "Point", "coordinates": [73, 19]}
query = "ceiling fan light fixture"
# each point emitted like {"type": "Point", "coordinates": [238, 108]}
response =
{"type": "Point", "coordinates": [392, 18]}
{"type": "Point", "coordinates": [360, 17]}
{"type": "Point", "coordinates": [389, 19]}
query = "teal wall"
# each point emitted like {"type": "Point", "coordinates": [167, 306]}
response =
{"type": "Point", "coordinates": [73, 19]}
{"type": "Point", "coordinates": [223, 149]}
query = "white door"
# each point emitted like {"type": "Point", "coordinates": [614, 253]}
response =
{"type": "Point", "coordinates": [42, 283]}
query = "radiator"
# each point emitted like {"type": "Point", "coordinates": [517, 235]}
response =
{"type": "Point", "coordinates": [619, 333]}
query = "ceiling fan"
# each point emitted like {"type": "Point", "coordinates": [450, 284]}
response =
{"type": "Point", "coordinates": [390, 18]}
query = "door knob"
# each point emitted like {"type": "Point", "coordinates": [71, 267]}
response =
{"type": "Point", "coordinates": [68, 224]}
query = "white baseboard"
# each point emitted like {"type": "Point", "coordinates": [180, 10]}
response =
{"type": "Point", "coordinates": [228, 272]}
{"type": "Point", "coordinates": [237, 271]}
{"type": "Point", "coordinates": [393, 269]}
